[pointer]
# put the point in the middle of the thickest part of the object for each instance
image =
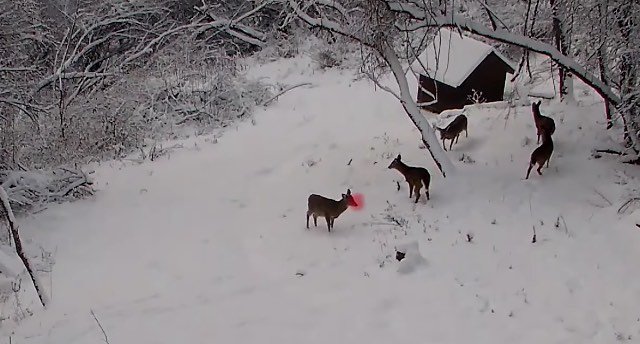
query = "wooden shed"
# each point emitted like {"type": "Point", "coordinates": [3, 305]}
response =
{"type": "Point", "coordinates": [454, 68]}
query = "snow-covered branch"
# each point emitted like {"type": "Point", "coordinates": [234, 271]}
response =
{"type": "Point", "coordinates": [379, 41]}
{"type": "Point", "coordinates": [327, 24]}
{"type": "Point", "coordinates": [428, 134]}
{"type": "Point", "coordinates": [29, 188]}
{"type": "Point", "coordinates": [424, 19]}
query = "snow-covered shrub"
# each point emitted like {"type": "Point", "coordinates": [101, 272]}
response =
{"type": "Point", "coordinates": [199, 90]}
{"type": "Point", "coordinates": [332, 52]}
{"type": "Point", "coordinates": [282, 44]}
{"type": "Point", "coordinates": [165, 80]}
{"type": "Point", "coordinates": [183, 91]}
{"type": "Point", "coordinates": [326, 59]}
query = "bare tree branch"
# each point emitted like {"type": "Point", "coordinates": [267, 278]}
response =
{"type": "Point", "coordinates": [454, 20]}
{"type": "Point", "coordinates": [378, 41]}
{"type": "Point", "coordinates": [15, 235]}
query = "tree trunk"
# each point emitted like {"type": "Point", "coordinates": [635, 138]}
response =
{"type": "Point", "coordinates": [603, 77]}
{"type": "Point", "coordinates": [382, 47]}
{"type": "Point", "coordinates": [602, 57]}
{"type": "Point", "coordinates": [429, 137]}
{"type": "Point", "coordinates": [630, 107]}
{"type": "Point", "coordinates": [559, 34]}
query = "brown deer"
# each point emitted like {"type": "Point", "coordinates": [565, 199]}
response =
{"type": "Point", "coordinates": [416, 177]}
{"type": "Point", "coordinates": [453, 130]}
{"type": "Point", "coordinates": [541, 154]}
{"type": "Point", "coordinates": [328, 208]}
{"type": "Point", "coordinates": [543, 123]}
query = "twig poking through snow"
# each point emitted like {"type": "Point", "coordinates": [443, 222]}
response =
{"type": "Point", "coordinates": [350, 161]}
{"type": "Point", "coordinates": [285, 91]}
{"type": "Point", "coordinates": [601, 195]}
{"type": "Point", "coordinates": [380, 223]}
{"type": "Point", "coordinates": [106, 339]}
{"type": "Point", "coordinates": [564, 224]}
{"type": "Point", "coordinates": [469, 237]}
{"type": "Point", "coordinates": [610, 151]}
{"type": "Point", "coordinates": [533, 241]}
{"type": "Point", "coordinates": [623, 208]}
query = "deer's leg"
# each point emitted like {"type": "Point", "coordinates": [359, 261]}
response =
{"type": "Point", "coordinates": [328, 218]}
{"type": "Point", "coordinates": [427, 192]}
{"type": "Point", "coordinates": [457, 137]}
{"type": "Point", "coordinates": [539, 168]}
{"type": "Point", "coordinates": [451, 145]}
{"type": "Point", "coordinates": [308, 214]}
{"type": "Point", "coordinates": [548, 161]}
{"type": "Point", "coordinates": [466, 132]}
{"type": "Point", "coordinates": [418, 187]}
{"type": "Point", "coordinates": [333, 220]}
{"type": "Point", "coordinates": [444, 145]}
{"type": "Point", "coordinates": [315, 220]}
{"type": "Point", "coordinates": [410, 190]}
{"type": "Point", "coordinates": [529, 170]}
{"type": "Point", "coordinates": [538, 136]}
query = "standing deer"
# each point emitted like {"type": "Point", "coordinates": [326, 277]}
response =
{"type": "Point", "coordinates": [328, 208]}
{"type": "Point", "coordinates": [543, 123]}
{"type": "Point", "coordinates": [453, 130]}
{"type": "Point", "coordinates": [416, 177]}
{"type": "Point", "coordinates": [541, 154]}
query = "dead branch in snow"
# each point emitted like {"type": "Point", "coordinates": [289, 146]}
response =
{"type": "Point", "coordinates": [602, 196]}
{"type": "Point", "coordinates": [533, 239]}
{"type": "Point", "coordinates": [266, 102]}
{"type": "Point", "coordinates": [623, 208]}
{"type": "Point", "coordinates": [104, 334]}
{"type": "Point", "coordinates": [9, 219]}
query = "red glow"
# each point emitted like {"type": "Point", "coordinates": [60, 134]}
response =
{"type": "Point", "coordinates": [359, 200]}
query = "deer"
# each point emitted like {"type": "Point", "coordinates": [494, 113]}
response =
{"type": "Point", "coordinates": [416, 177]}
{"type": "Point", "coordinates": [543, 123]}
{"type": "Point", "coordinates": [541, 154]}
{"type": "Point", "coordinates": [453, 130]}
{"type": "Point", "coordinates": [328, 208]}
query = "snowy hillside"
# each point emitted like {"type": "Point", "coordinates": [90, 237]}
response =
{"type": "Point", "coordinates": [209, 245]}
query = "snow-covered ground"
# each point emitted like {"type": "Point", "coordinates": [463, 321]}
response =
{"type": "Point", "coordinates": [209, 245]}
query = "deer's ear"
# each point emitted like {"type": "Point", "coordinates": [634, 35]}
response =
{"type": "Point", "coordinates": [399, 157]}
{"type": "Point", "coordinates": [348, 191]}
{"type": "Point", "coordinates": [344, 196]}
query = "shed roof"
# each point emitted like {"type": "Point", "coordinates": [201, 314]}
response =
{"type": "Point", "coordinates": [450, 58]}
